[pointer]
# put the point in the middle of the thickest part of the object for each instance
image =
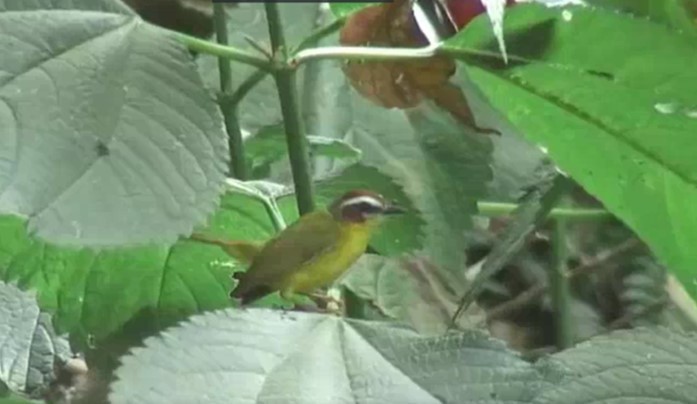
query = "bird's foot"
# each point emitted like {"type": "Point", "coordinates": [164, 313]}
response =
{"type": "Point", "coordinates": [329, 304]}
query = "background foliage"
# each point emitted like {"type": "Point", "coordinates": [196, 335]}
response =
{"type": "Point", "coordinates": [118, 138]}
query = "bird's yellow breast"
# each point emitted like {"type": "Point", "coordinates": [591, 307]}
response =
{"type": "Point", "coordinates": [330, 264]}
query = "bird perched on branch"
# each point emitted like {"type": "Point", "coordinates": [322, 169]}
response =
{"type": "Point", "coordinates": [311, 253]}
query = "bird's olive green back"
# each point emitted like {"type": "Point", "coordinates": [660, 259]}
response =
{"type": "Point", "coordinates": [287, 253]}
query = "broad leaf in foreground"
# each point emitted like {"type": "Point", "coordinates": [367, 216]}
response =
{"type": "Point", "coordinates": [648, 366]}
{"type": "Point", "coordinates": [108, 136]}
{"type": "Point", "coordinates": [618, 115]}
{"type": "Point", "coordinates": [94, 293]}
{"type": "Point", "coordinates": [30, 349]}
{"type": "Point", "coordinates": [262, 356]}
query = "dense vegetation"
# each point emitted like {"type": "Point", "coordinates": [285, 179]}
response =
{"type": "Point", "coordinates": [547, 255]}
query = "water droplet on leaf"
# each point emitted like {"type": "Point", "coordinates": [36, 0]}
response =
{"type": "Point", "coordinates": [666, 107]}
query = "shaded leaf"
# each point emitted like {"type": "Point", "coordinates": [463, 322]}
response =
{"type": "Point", "coordinates": [269, 146]}
{"type": "Point", "coordinates": [643, 124]}
{"type": "Point", "coordinates": [30, 350]}
{"type": "Point", "coordinates": [193, 17]}
{"type": "Point", "coordinates": [410, 290]}
{"type": "Point", "coordinates": [529, 214]}
{"type": "Point", "coordinates": [678, 14]}
{"type": "Point", "coordinates": [241, 359]}
{"type": "Point", "coordinates": [117, 105]}
{"type": "Point", "coordinates": [644, 365]}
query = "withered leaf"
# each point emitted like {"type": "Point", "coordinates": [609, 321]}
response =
{"type": "Point", "coordinates": [405, 83]}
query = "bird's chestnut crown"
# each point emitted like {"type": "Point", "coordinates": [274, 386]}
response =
{"type": "Point", "coordinates": [360, 205]}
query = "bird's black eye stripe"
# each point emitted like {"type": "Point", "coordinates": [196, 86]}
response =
{"type": "Point", "coordinates": [368, 207]}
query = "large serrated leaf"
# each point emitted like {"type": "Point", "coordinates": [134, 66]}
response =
{"type": "Point", "coordinates": [94, 293]}
{"type": "Point", "coordinates": [30, 348]}
{"type": "Point", "coordinates": [261, 356]}
{"type": "Point", "coordinates": [648, 366]}
{"type": "Point", "coordinates": [616, 114]}
{"type": "Point", "coordinates": [108, 136]}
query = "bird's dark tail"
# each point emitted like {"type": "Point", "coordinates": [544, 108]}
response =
{"type": "Point", "coordinates": [245, 294]}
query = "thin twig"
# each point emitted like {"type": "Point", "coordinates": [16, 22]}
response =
{"type": "Point", "coordinates": [226, 51]}
{"type": "Point", "coordinates": [497, 209]}
{"type": "Point", "coordinates": [537, 291]}
{"type": "Point", "coordinates": [238, 165]}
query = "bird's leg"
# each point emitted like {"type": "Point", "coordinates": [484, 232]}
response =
{"type": "Point", "coordinates": [329, 303]}
{"type": "Point", "coordinates": [298, 302]}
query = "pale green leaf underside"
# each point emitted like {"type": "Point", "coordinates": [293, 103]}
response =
{"type": "Point", "coordinates": [30, 348]}
{"type": "Point", "coordinates": [108, 136]}
{"type": "Point", "coordinates": [260, 356]}
{"type": "Point", "coordinates": [648, 366]}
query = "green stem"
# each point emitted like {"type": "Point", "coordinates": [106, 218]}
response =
{"type": "Point", "coordinates": [228, 52]}
{"type": "Point", "coordinates": [273, 17]}
{"type": "Point", "coordinates": [235, 143]}
{"type": "Point", "coordinates": [361, 53]}
{"type": "Point", "coordinates": [247, 85]}
{"type": "Point", "coordinates": [292, 120]}
{"type": "Point", "coordinates": [238, 165]}
{"type": "Point", "coordinates": [496, 209]}
{"type": "Point", "coordinates": [559, 286]}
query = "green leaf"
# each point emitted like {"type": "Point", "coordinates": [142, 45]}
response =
{"type": "Point", "coordinates": [261, 106]}
{"type": "Point", "coordinates": [411, 291]}
{"type": "Point", "coordinates": [639, 366]}
{"type": "Point", "coordinates": [31, 350]}
{"type": "Point", "coordinates": [678, 14]}
{"type": "Point", "coordinates": [426, 154]}
{"type": "Point", "coordinates": [108, 135]}
{"type": "Point", "coordinates": [262, 356]}
{"type": "Point", "coordinates": [630, 147]}
{"type": "Point", "coordinates": [94, 293]}
{"type": "Point", "coordinates": [269, 146]}
{"type": "Point", "coordinates": [334, 148]}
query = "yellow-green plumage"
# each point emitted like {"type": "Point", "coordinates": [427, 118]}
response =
{"type": "Point", "coordinates": [313, 252]}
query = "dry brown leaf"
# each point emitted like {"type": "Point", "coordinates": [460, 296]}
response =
{"type": "Point", "coordinates": [401, 84]}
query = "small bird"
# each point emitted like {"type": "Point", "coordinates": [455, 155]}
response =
{"type": "Point", "coordinates": [311, 253]}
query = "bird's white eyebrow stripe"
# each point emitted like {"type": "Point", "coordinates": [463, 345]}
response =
{"type": "Point", "coordinates": [362, 199]}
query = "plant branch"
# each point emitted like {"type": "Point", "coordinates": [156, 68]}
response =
{"type": "Point", "coordinates": [238, 165]}
{"type": "Point", "coordinates": [292, 120]}
{"type": "Point", "coordinates": [559, 284]}
{"type": "Point", "coordinates": [247, 85]}
{"type": "Point", "coordinates": [535, 292]}
{"type": "Point", "coordinates": [360, 53]}
{"type": "Point", "coordinates": [228, 52]}
{"type": "Point", "coordinates": [496, 209]}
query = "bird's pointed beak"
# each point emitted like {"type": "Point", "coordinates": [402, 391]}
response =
{"type": "Point", "coordinates": [393, 209]}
